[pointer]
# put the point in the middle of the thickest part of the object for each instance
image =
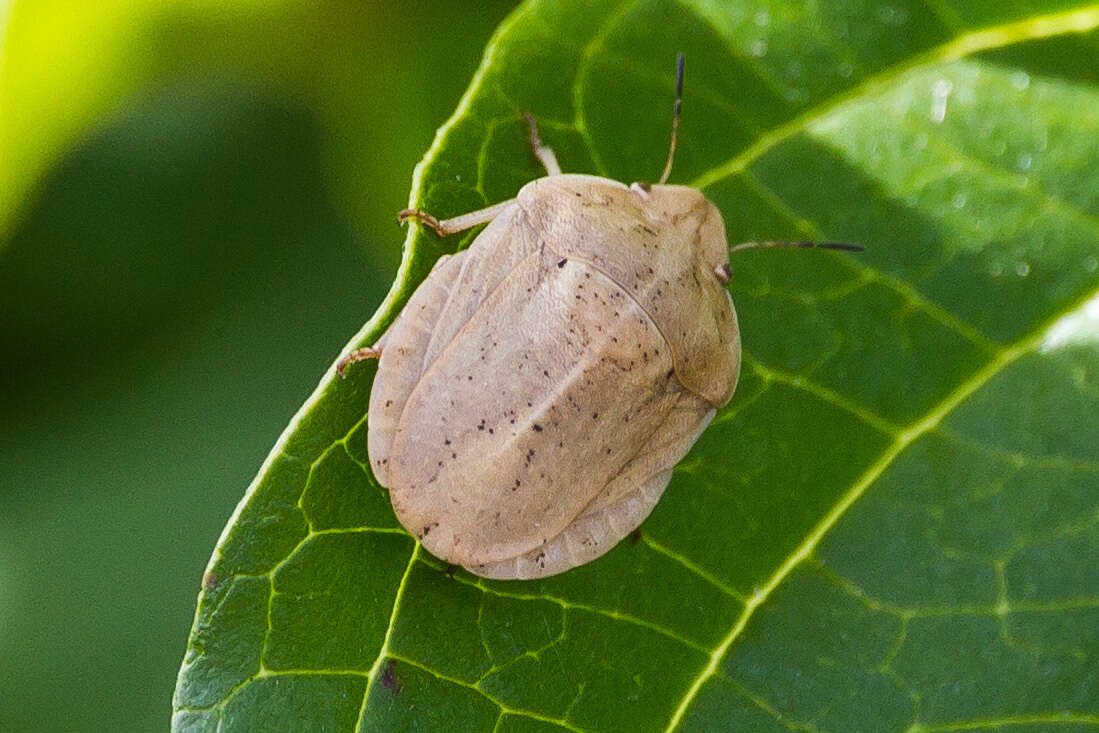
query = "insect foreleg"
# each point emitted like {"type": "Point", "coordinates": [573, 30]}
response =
{"type": "Point", "coordinates": [543, 152]}
{"type": "Point", "coordinates": [357, 355]}
{"type": "Point", "coordinates": [446, 227]}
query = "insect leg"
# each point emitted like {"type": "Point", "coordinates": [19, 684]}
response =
{"type": "Point", "coordinates": [843, 246]}
{"type": "Point", "coordinates": [543, 152]}
{"type": "Point", "coordinates": [357, 355]}
{"type": "Point", "coordinates": [446, 227]}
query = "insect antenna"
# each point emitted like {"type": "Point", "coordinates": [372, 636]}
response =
{"type": "Point", "coordinates": [724, 272]}
{"type": "Point", "coordinates": [844, 246]}
{"type": "Point", "coordinates": [675, 120]}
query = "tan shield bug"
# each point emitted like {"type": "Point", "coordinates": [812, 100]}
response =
{"type": "Point", "coordinates": [538, 388]}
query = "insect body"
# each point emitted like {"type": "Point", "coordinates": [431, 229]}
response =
{"type": "Point", "coordinates": [536, 391]}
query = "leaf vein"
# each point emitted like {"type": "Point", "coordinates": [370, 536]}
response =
{"type": "Point", "coordinates": [693, 567]}
{"type": "Point", "coordinates": [590, 49]}
{"type": "Point", "coordinates": [505, 709]}
{"type": "Point", "coordinates": [825, 394]}
{"type": "Point", "coordinates": [568, 605]}
{"type": "Point", "coordinates": [384, 651]}
{"type": "Point", "coordinates": [1053, 718]}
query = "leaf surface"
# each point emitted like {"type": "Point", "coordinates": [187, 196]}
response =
{"type": "Point", "coordinates": [892, 526]}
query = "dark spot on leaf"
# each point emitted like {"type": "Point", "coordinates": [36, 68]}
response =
{"type": "Point", "coordinates": [561, 262]}
{"type": "Point", "coordinates": [389, 678]}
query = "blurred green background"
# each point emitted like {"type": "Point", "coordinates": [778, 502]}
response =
{"type": "Point", "coordinates": [197, 208]}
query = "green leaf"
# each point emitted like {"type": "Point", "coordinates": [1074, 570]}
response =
{"type": "Point", "coordinates": [894, 524]}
